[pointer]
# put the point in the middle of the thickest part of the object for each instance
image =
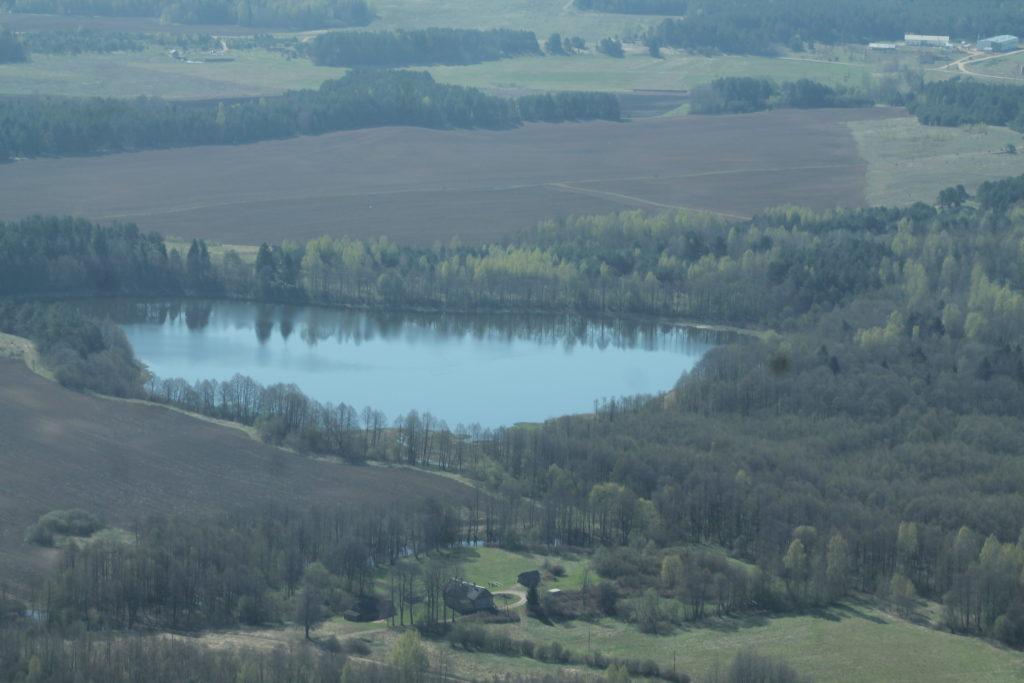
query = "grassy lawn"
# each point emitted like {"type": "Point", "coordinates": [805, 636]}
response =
{"type": "Point", "coordinates": [153, 73]}
{"type": "Point", "coordinates": [676, 71]}
{"type": "Point", "coordinates": [497, 569]}
{"type": "Point", "coordinates": [908, 162]}
{"type": "Point", "coordinates": [1008, 67]}
{"type": "Point", "coordinates": [851, 643]}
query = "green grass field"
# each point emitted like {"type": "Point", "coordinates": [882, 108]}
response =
{"type": "Point", "coordinates": [497, 569]}
{"type": "Point", "coordinates": [638, 71]}
{"type": "Point", "coordinates": [848, 644]}
{"type": "Point", "coordinates": [909, 162]}
{"type": "Point", "coordinates": [153, 73]}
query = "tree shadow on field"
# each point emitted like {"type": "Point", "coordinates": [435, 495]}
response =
{"type": "Point", "coordinates": [731, 624]}
{"type": "Point", "coordinates": [848, 611]}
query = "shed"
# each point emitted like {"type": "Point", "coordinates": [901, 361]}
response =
{"type": "Point", "coordinates": [369, 608]}
{"type": "Point", "coordinates": [466, 598]}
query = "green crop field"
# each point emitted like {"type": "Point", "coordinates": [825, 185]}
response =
{"type": "Point", "coordinates": [848, 644]}
{"type": "Point", "coordinates": [909, 162]}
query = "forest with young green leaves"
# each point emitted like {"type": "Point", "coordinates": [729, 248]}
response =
{"type": "Point", "coordinates": [865, 444]}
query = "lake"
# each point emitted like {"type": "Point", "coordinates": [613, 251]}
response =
{"type": "Point", "coordinates": [489, 370]}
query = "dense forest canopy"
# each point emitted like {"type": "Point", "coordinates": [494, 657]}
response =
{"type": "Point", "coordinates": [45, 125]}
{"type": "Point", "coordinates": [420, 47]}
{"type": "Point", "coordinates": [960, 102]}
{"type": "Point", "coordinates": [293, 14]}
{"type": "Point", "coordinates": [741, 95]}
{"type": "Point", "coordinates": [754, 27]}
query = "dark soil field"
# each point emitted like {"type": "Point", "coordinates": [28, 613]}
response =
{"type": "Point", "coordinates": [421, 186]}
{"type": "Point", "coordinates": [121, 461]}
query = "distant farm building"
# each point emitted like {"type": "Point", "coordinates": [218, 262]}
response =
{"type": "Point", "coordinates": [369, 608]}
{"type": "Point", "coordinates": [926, 41]}
{"type": "Point", "coordinates": [466, 598]}
{"type": "Point", "coordinates": [999, 44]}
{"type": "Point", "coordinates": [882, 46]}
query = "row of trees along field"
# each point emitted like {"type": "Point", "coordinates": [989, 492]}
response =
{"type": "Point", "coordinates": [83, 40]}
{"type": "Point", "coordinates": [292, 14]}
{"type": "Point", "coordinates": [751, 27]}
{"type": "Point", "coordinates": [866, 445]}
{"type": "Point", "coordinates": [741, 95]}
{"type": "Point", "coordinates": [959, 102]}
{"type": "Point", "coordinates": [420, 47]}
{"type": "Point", "coordinates": [44, 125]}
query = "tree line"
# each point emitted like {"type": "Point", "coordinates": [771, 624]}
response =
{"type": "Point", "coordinates": [742, 95]}
{"type": "Point", "coordinates": [958, 102]}
{"type": "Point", "coordinates": [50, 125]}
{"type": "Point", "coordinates": [293, 14]}
{"type": "Point", "coordinates": [419, 47]}
{"type": "Point", "coordinates": [82, 40]}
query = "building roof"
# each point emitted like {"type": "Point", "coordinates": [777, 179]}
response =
{"type": "Point", "coordinates": [465, 589]}
{"type": "Point", "coordinates": [914, 37]}
{"type": "Point", "coordinates": [1001, 39]}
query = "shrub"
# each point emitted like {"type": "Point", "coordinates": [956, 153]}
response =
{"type": "Point", "coordinates": [64, 523]}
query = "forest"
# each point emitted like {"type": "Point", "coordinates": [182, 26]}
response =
{"type": "Point", "coordinates": [866, 444]}
{"type": "Point", "coordinates": [83, 40]}
{"type": "Point", "coordinates": [751, 27]}
{"type": "Point", "coordinates": [960, 102]}
{"type": "Point", "coordinates": [291, 14]}
{"type": "Point", "coordinates": [61, 126]}
{"type": "Point", "coordinates": [422, 47]}
{"type": "Point", "coordinates": [743, 95]}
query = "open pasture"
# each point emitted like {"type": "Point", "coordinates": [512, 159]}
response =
{"type": "Point", "coordinates": [849, 643]}
{"type": "Point", "coordinates": [421, 186]}
{"type": "Point", "coordinates": [123, 460]}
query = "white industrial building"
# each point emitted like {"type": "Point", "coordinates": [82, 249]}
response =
{"type": "Point", "coordinates": [926, 41]}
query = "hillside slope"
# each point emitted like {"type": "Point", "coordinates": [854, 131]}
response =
{"type": "Point", "coordinates": [121, 461]}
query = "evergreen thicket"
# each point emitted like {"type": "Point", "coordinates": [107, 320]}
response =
{"type": "Point", "coordinates": [59, 126]}
{"type": "Point", "coordinates": [422, 47]}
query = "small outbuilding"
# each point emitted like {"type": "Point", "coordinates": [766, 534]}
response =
{"type": "Point", "coordinates": [369, 608]}
{"type": "Point", "coordinates": [466, 598]}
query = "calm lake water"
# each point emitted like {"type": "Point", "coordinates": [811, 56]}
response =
{"type": "Point", "coordinates": [489, 370]}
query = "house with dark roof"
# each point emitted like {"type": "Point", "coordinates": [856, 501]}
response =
{"type": "Point", "coordinates": [466, 598]}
